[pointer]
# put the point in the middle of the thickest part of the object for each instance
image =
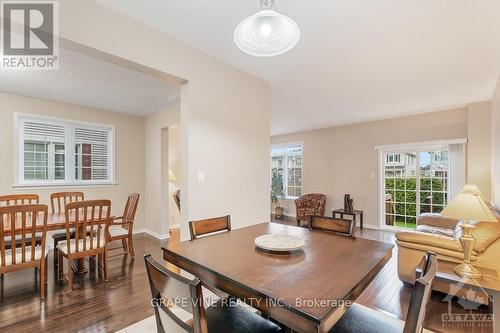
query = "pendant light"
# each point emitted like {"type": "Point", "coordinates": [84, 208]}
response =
{"type": "Point", "coordinates": [267, 33]}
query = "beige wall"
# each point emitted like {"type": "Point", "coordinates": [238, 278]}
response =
{"type": "Point", "coordinates": [479, 146]}
{"type": "Point", "coordinates": [343, 159]}
{"type": "Point", "coordinates": [495, 107]}
{"type": "Point", "coordinates": [157, 203]}
{"type": "Point", "coordinates": [224, 112]}
{"type": "Point", "coordinates": [129, 149]}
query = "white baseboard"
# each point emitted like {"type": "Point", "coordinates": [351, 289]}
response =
{"type": "Point", "coordinates": [151, 233]}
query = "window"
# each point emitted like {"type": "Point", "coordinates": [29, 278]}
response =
{"type": "Point", "coordinates": [53, 152]}
{"type": "Point", "coordinates": [286, 166]}
{"type": "Point", "coordinates": [419, 185]}
{"type": "Point", "coordinates": [393, 158]}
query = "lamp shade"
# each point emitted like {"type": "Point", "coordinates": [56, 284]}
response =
{"type": "Point", "coordinates": [469, 205]}
{"type": "Point", "coordinates": [267, 33]}
{"type": "Point", "coordinates": [171, 176]}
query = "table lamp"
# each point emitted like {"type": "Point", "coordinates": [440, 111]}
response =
{"type": "Point", "coordinates": [468, 206]}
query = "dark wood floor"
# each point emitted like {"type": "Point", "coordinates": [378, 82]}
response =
{"type": "Point", "coordinates": [95, 306]}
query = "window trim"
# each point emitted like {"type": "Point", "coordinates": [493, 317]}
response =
{"type": "Point", "coordinates": [20, 118]}
{"type": "Point", "coordinates": [285, 169]}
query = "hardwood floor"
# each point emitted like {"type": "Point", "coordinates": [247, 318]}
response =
{"type": "Point", "coordinates": [95, 306]}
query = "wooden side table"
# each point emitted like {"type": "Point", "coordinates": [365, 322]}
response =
{"type": "Point", "coordinates": [489, 283]}
{"type": "Point", "coordinates": [341, 212]}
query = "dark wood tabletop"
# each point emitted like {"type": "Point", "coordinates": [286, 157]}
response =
{"type": "Point", "coordinates": [329, 269]}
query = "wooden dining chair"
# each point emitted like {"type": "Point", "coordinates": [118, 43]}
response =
{"type": "Point", "coordinates": [20, 199]}
{"type": "Point", "coordinates": [339, 226]}
{"type": "Point", "coordinates": [24, 220]}
{"type": "Point", "coordinates": [88, 222]}
{"type": "Point", "coordinates": [121, 228]}
{"type": "Point", "coordinates": [171, 292]}
{"type": "Point", "coordinates": [209, 226]}
{"type": "Point", "coordinates": [58, 202]}
{"type": "Point", "coordinates": [360, 319]}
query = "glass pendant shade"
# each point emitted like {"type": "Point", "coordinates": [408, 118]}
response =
{"type": "Point", "coordinates": [267, 33]}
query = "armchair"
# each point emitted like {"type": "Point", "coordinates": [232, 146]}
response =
{"type": "Point", "coordinates": [312, 204]}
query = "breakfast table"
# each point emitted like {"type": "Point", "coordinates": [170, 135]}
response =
{"type": "Point", "coordinates": [306, 290]}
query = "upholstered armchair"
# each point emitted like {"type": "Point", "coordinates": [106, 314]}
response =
{"type": "Point", "coordinates": [312, 204]}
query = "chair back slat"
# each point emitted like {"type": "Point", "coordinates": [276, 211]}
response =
{"type": "Point", "coordinates": [18, 199]}
{"type": "Point", "coordinates": [87, 218]}
{"type": "Point", "coordinates": [59, 200]}
{"type": "Point", "coordinates": [341, 226]}
{"type": "Point", "coordinates": [169, 289]}
{"type": "Point", "coordinates": [421, 294]}
{"type": "Point", "coordinates": [209, 226]}
{"type": "Point", "coordinates": [14, 221]}
{"type": "Point", "coordinates": [130, 210]}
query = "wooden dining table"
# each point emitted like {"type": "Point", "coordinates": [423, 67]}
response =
{"type": "Point", "coordinates": [307, 291]}
{"type": "Point", "coordinates": [55, 222]}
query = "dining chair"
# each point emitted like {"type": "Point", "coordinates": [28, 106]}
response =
{"type": "Point", "coordinates": [20, 199]}
{"type": "Point", "coordinates": [121, 228]}
{"type": "Point", "coordinates": [171, 292]}
{"type": "Point", "coordinates": [209, 226]}
{"type": "Point", "coordinates": [339, 226]}
{"type": "Point", "coordinates": [23, 220]}
{"type": "Point", "coordinates": [360, 319]}
{"type": "Point", "coordinates": [58, 202]}
{"type": "Point", "coordinates": [88, 222]}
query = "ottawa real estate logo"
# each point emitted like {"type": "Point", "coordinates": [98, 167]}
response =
{"type": "Point", "coordinates": [29, 35]}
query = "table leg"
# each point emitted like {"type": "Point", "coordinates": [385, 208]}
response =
{"type": "Point", "coordinates": [79, 267]}
{"type": "Point", "coordinates": [361, 220]}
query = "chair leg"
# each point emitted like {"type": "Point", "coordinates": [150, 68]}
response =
{"type": "Point", "coordinates": [59, 266]}
{"type": "Point", "coordinates": [131, 246]}
{"type": "Point", "coordinates": [42, 278]}
{"type": "Point", "coordinates": [69, 274]}
{"type": "Point", "coordinates": [46, 269]}
{"type": "Point", "coordinates": [56, 254]}
{"type": "Point", "coordinates": [105, 264]}
{"type": "Point", "coordinates": [124, 244]}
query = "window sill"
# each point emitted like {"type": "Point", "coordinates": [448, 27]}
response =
{"type": "Point", "coordinates": [62, 185]}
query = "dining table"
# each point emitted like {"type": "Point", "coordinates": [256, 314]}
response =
{"type": "Point", "coordinates": [306, 290]}
{"type": "Point", "coordinates": [57, 222]}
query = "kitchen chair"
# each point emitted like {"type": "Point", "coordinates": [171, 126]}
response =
{"type": "Point", "coordinates": [22, 220]}
{"type": "Point", "coordinates": [169, 289]}
{"type": "Point", "coordinates": [339, 226]}
{"type": "Point", "coordinates": [87, 222]}
{"type": "Point", "coordinates": [209, 226]}
{"type": "Point", "coordinates": [360, 319]}
{"type": "Point", "coordinates": [121, 228]}
{"type": "Point", "coordinates": [58, 202]}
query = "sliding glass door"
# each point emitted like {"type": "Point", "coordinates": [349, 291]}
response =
{"type": "Point", "coordinates": [415, 182]}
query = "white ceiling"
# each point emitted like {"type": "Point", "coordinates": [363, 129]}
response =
{"type": "Point", "coordinates": [356, 60]}
{"type": "Point", "coordinates": [87, 81]}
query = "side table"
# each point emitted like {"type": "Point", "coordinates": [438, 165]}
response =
{"type": "Point", "coordinates": [354, 213]}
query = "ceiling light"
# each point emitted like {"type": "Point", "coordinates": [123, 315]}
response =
{"type": "Point", "coordinates": [267, 33]}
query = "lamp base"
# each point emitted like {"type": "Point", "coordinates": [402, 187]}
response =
{"type": "Point", "coordinates": [466, 270]}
